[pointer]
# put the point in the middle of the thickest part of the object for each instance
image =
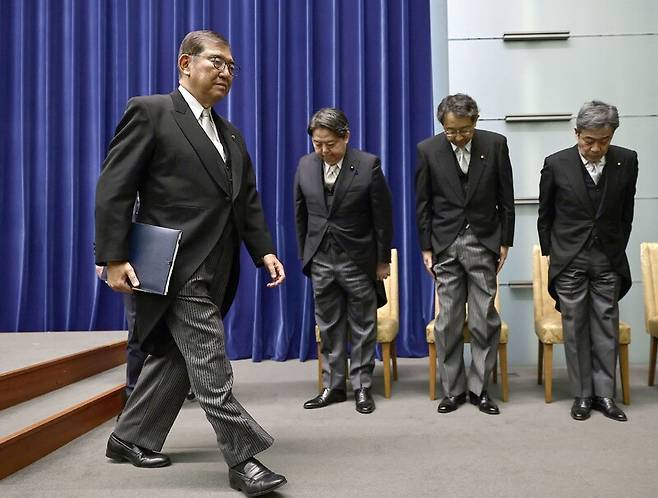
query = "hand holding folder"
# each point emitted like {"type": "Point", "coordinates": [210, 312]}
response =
{"type": "Point", "coordinates": [152, 254]}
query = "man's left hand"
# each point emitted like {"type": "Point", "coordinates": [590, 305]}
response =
{"type": "Point", "coordinates": [383, 270]}
{"type": "Point", "coordinates": [501, 259]}
{"type": "Point", "coordinates": [275, 267]}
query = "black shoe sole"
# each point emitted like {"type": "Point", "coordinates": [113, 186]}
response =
{"type": "Point", "coordinates": [237, 484]}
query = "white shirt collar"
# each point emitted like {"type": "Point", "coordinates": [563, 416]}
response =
{"type": "Point", "coordinates": [339, 164]}
{"type": "Point", "coordinates": [194, 104]}
{"type": "Point", "coordinates": [466, 147]}
{"type": "Point", "coordinates": [600, 163]}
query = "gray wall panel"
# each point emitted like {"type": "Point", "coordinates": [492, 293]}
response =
{"type": "Point", "coordinates": [486, 18]}
{"type": "Point", "coordinates": [556, 76]}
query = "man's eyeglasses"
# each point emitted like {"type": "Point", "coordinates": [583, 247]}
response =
{"type": "Point", "coordinates": [220, 64]}
{"type": "Point", "coordinates": [463, 132]}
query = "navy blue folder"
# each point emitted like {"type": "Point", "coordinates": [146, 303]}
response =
{"type": "Point", "coordinates": [152, 255]}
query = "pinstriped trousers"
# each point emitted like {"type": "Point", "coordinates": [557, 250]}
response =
{"type": "Point", "coordinates": [588, 289]}
{"type": "Point", "coordinates": [345, 307]}
{"type": "Point", "coordinates": [199, 359]}
{"type": "Point", "coordinates": [466, 271]}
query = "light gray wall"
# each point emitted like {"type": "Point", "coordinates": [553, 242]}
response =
{"type": "Point", "coordinates": [610, 55]}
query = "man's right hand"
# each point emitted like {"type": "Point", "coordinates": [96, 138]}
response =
{"type": "Point", "coordinates": [427, 261]}
{"type": "Point", "coordinates": [121, 277]}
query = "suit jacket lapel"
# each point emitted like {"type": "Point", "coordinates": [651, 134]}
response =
{"type": "Point", "coordinates": [233, 154]}
{"type": "Point", "coordinates": [208, 155]}
{"type": "Point", "coordinates": [611, 175]}
{"type": "Point", "coordinates": [476, 166]}
{"type": "Point", "coordinates": [445, 157]}
{"type": "Point", "coordinates": [574, 172]}
{"type": "Point", "coordinates": [348, 171]}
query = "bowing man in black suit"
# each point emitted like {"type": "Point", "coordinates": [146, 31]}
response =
{"type": "Point", "coordinates": [586, 199]}
{"type": "Point", "coordinates": [192, 172]}
{"type": "Point", "coordinates": [344, 231]}
{"type": "Point", "coordinates": [465, 216]}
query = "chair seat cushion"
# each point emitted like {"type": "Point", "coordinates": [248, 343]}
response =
{"type": "Point", "coordinates": [504, 332]}
{"type": "Point", "coordinates": [549, 330]}
{"type": "Point", "coordinates": [652, 326]}
{"type": "Point", "coordinates": [387, 330]}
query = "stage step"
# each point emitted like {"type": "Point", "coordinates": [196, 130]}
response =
{"type": "Point", "coordinates": [22, 384]}
{"type": "Point", "coordinates": [54, 401]}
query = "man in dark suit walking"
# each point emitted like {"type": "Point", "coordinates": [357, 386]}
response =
{"type": "Point", "coordinates": [344, 231]}
{"type": "Point", "coordinates": [465, 216]}
{"type": "Point", "coordinates": [192, 172]}
{"type": "Point", "coordinates": [586, 200]}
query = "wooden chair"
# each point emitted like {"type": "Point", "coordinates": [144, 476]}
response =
{"type": "Point", "coordinates": [388, 325]}
{"type": "Point", "coordinates": [548, 328]}
{"type": "Point", "coordinates": [502, 351]}
{"type": "Point", "coordinates": [649, 262]}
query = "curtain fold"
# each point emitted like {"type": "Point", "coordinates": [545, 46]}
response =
{"type": "Point", "coordinates": [70, 67]}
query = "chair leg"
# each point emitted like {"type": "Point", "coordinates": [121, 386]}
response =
{"type": "Point", "coordinates": [623, 367]}
{"type": "Point", "coordinates": [652, 361]}
{"type": "Point", "coordinates": [540, 362]}
{"type": "Point", "coordinates": [394, 360]}
{"type": "Point", "coordinates": [494, 374]}
{"type": "Point", "coordinates": [386, 358]}
{"type": "Point", "coordinates": [320, 386]}
{"type": "Point", "coordinates": [502, 355]}
{"type": "Point", "coordinates": [432, 370]}
{"type": "Point", "coordinates": [548, 372]}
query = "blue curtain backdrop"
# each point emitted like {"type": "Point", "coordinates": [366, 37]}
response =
{"type": "Point", "coordinates": [71, 65]}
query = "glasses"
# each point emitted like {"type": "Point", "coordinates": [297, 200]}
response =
{"type": "Point", "coordinates": [463, 132]}
{"type": "Point", "coordinates": [220, 64]}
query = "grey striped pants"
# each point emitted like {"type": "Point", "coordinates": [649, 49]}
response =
{"type": "Point", "coordinates": [466, 272]}
{"type": "Point", "coordinates": [199, 359]}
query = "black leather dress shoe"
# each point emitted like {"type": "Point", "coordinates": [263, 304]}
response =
{"type": "Point", "coordinates": [325, 398]}
{"type": "Point", "coordinates": [451, 403]}
{"type": "Point", "coordinates": [484, 403]}
{"type": "Point", "coordinates": [581, 408]}
{"type": "Point", "coordinates": [253, 478]}
{"type": "Point", "coordinates": [123, 451]}
{"type": "Point", "coordinates": [364, 401]}
{"type": "Point", "coordinates": [608, 407]}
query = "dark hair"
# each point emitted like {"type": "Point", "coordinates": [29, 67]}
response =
{"type": "Point", "coordinates": [330, 118]}
{"type": "Point", "coordinates": [597, 114]}
{"type": "Point", "coordinates": [195, 42]}
{"type": "Point", "coordinates": [460, 104]}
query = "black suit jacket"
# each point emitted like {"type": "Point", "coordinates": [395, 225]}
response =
{"type": "Point", "coordinates": [360, 217]}
{"type": "Point", "coordinates": [567, 217]}
{"type": "Point", "coordinates": [443, 206]}
{"type": "Point", "coordinates": [160, 152]}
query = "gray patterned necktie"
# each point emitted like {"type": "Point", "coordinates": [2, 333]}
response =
{"type": "Point", "coordinates": [594, 171]}
{"type": "Point", "coordinates": [461, 159]}
{"type": "Point", "coordinates": [331, 174]}
{"type": "Point", "coordinates": [206, 124]}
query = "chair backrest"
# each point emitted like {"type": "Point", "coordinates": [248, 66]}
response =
{"type": "Point", "coordinates": [649, 263]}
{"type": "Point", "coordinates": [392, 308]}
{"type": "Point", "coordinates": [544, 304]}
{"type": "Point", "coordinates": [496, 300]}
